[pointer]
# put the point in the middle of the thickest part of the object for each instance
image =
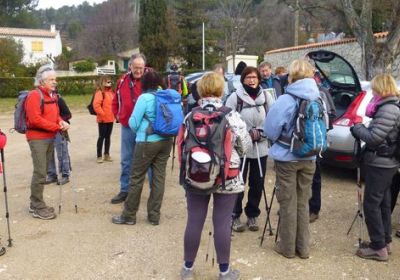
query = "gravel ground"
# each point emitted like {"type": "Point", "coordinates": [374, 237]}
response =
{"type": "Point", "coordinates": [87, 245]}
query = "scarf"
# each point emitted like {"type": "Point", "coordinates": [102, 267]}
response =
{"type": "Point", "coordinates": [251, 91]}
{"type": "Point", "coordinates": [372, 106]}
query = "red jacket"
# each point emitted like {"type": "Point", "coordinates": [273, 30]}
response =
{"type": "Point", "coordinates": [128, 91]}
{"type": "Point", "coordinates": [41, 125]}
{"type": "Point", "coordinates": [102, 105]}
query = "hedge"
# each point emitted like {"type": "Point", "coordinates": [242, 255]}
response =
{"type": "Point", "coordinates": [10, 87]}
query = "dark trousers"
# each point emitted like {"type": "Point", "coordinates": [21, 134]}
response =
{"type": "Point", "coordinates": [377, 197]}
{"type": "Point", "coordinates": [197, 206]}
{"type": "Point", "coordinates": [256, 187]}
{"type": "Point", "coordinates": [395, 188]}
{"type": "Point", "coordinates": [105, 130]}
{"type": "Point", "coordinates": [315, 200]}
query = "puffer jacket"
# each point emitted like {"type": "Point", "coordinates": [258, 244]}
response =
{"type": "Point", "coordinates": [385, 124]}
{"type": "Point", "coordinates": [102, 105]}
{"type": "Point", "coordinates": [254, 116]}
{"type": "Point", "coordinates": [241, 143]}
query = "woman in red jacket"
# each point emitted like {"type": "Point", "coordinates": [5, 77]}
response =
{"type": "Point", "coordinates": [105, 117]}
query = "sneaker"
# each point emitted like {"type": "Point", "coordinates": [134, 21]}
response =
{"type": "Point", "coordinates": [365, 244]}
{"type": "Point", "coordinates": [277, 248]}
{"type": "Point", "coordinates": [237, 225]}
{"type": "Point", "coordinates": [187, 273]}
{"type": "Point", "coordinates": [64, 180]}
{"type": "Point", "coordinates": [32, 209]}
{"type": "Point", "coordinates": [303, 256]}
{"type": "Point", "coordinates": [121, 220]}
{"type": "Point", "coordinates": [231, 274]}
{"type": "Point", "coordinates": [51, 180]}
{"type": "Point", "coordinates": [99, 160]}
{"type": "Point", "coordinates": [371, 254]}
{"type": "Point", "coordinates": [252, 224]}
{"type": "Point", "coordinates": [2, 251]}
{"type": "Point", "coordinates": [120, 197]}
{"type": "Point", "coordinates": [44, 214]}
{"type": "Point", "coordinates": [107, 158]}
{"type": "Point", "coordinates": [313, 217]}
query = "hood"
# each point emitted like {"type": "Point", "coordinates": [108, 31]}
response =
{"type": "Point", "coordinates": [305, 89]}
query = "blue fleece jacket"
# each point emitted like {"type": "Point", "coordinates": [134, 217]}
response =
{"type": "Point", "coordinates": [146, 104]}
{"type": "Point", "coordinates": [280, 119]}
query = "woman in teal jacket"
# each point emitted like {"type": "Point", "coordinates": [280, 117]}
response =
{"type": "Point", "coordinates": [151, 151]}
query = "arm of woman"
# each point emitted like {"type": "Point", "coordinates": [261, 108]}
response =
{"type": "Point", "coordinates": [138, 113]}
{"type": "Point", "coordinates": [243, 141]}
{"type": "Point", "coordinates": [98, 103]}
{"type": "Point", "coordinates": [278, 116]}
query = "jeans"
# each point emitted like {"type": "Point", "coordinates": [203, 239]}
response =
{"type": "Point", "coordinates": [377, 196]}
{"type": "Point", "coordinates": [315, 200]}
{"type": "Point", "coordinates": [128, 143]}
{"type": "Point", "coordinates": [64, 164]}
{"type": "Point", "coordinates": [105, 130]}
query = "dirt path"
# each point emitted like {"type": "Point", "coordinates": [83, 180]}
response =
{"type": "Point", "coordinates": [88, 246]}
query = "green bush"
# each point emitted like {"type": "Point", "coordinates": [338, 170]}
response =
{"type": "Point", "coordinates": [84, 66]}
{"type": "Point", "coordinates": [79, 85]}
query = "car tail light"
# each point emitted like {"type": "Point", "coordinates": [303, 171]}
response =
{"type": "Point", "coordinates": [344, 158]}
{"type": "Point", "coordinates": [350, 117]}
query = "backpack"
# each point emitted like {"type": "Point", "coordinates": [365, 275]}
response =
{"type": "Point", "coordinates": [174, 82]}
{"type": "Point", "coordinates": [309, 134]}
{"type": "Point", "coordinates": [90, 106]}
{"type": "Point", "coordinates": [169, 114]}
{"type": "Point", "coordinates": [20, 124]}
{"type": "Point", "coordinates": [205, 149]}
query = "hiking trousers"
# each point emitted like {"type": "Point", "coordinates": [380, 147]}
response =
{"type": "Point", "coordinates": [293, 189]}
{"type": "Point", "coordinates": [154, 155]}
{"type": "Point", "coordinates": [315, 200]}
{"type": "Point", "coordinates": [42, 151]}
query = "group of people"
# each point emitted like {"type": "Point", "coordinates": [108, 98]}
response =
{"type": "Point", "coordinates": [260, 113]}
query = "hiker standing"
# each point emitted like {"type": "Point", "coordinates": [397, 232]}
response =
{"type": "Point", "coordinates": [380, 164]}
{"type": "Point", "coordinates": [269, 80]}
{"type": "Point", "coordinates": [105, 118]}
{"type": "Point", "coordinates": [293, 173]}
{"type": "Point", "coordinates": [211, 88]}
{"type": "Point", "coordinates": [252, 102]}
{"type": "Point", "coordinates": [129, 88]}
{"type": "Point", "coordinates": [176, 81]}
{"type": "Point", "coordinates": [151, 150]}
{"type": "Point", "coordinates": [61, 148]}
{"type": "Point", "coordinates": [43, 122]}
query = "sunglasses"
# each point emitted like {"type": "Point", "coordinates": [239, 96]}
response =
{"type": "Point", "coordinates": [109, 82]}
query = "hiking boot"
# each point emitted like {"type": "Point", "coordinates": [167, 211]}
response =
{"type": "Point", "coordinates": [237, 225]}
{"type": "Point", "coordinates": [44, 214]}
{"type": "Point", "coordinates": [277, 248]}
{"type": "Point", "coordinates": [313, 217]}
{"type": "Point", "coordinates": [153, 222]}
{"type": "Point", "coordinates": [303, 256]}
{"type": "Point", "coordinates": [252, 224]}
{"type": "Point", "coordinates": [120, 197]}
{"type": "Point", "coordinates": [231, 274]}
{"type": "Point", "coordinates": [64, 180]}
{"type": "Point", "coordinates": [107, 158]}
{"type": "Point", "coordinates": [371, 254]}
{"type": "Point", "coordinates": [2, 251]}
{"type": "Point", "coordinates": [32, 209]}
{"type": "Point", "coordinates": [99, 160]}
{"type": "Point", "coordinates": [187, 273]}
{"type": "Point", "coordinates": [121, 220]}
{"type": "Point", "coordinates": [51, 180]}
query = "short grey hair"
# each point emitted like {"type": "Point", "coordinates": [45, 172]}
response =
{"type": "Point", "coordinates": [265, 64]}
{"type": "Point", "coordinates": [135, 56]}
{"type": "Point", "coordinates": [42, 74]}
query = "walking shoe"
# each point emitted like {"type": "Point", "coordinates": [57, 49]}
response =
{"type": "Point", "coordinates": [187, 273]}
{"type": "Point", "coordinates": [44, 214]}
{"type": "Point", "coordinates": [107, 158]}
{"type": "Point", "coordinates": [365, 244]}
{"type": "Point", "coordinates": [371, 254]}
{"type": "Point", "coordinates": [2, 251]}
{"type": "Point", "coordinates": [277, 248]}
{"type": "Point", "coordinates": [154, 222]}
{"type": "Point", "coordinates": [313, 217]}
{"type": "Point", "coordinates": [237, 225]}
{"type": "Point", "coordinates": [302, 255]}
{"type": "Point", "coordinates": [121, 220]}
{"type": "Point", "coordinates": [252, 224]}
{"type": "Point", "coordinates": [64, 180]}
{"type": "Point", "coordinates": [397, 233]}
{"type": "Point", "coordinates": [51, 180]}
{"type": "Point", "coordinates": [32, 209]}
{"type": "Point", "coordinates": [120, 197]}
{"type": "Point", "coordinates": [231, 274]}
{"type": "Point", "coordinates": [99, 160]}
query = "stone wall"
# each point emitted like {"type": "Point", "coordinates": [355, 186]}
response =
{"type": "Point", "coordinates": [351, 51]}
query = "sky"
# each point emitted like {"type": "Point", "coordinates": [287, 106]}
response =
{"type": "Point", "coordinates": [44, 4]}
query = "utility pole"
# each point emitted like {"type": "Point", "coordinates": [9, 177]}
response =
{"type": "Point", "coordinates": [296, 23]}
{"type": "Point", "coordinates": [204, 50]}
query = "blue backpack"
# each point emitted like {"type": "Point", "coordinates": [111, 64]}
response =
{"type": "Point", "coordinates": [309, 134]}
{"type": "Point", "coordinates": [169, 114]}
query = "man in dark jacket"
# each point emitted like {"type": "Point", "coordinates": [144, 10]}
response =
{"type": "Point", "coordinates": [268, 80]}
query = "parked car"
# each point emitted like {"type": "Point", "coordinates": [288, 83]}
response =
{"type": "Point", "coordinates": [350, 97]}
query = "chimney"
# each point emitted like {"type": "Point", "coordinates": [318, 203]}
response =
{"type": "Point", "coordinates": [53, 28]}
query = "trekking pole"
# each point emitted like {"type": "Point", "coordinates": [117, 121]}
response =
{"type": "Point", "coordinates": [268, 220]}
{"type": "Point", "coordinates": [73, 187]}
{"type": "Point", "coordinates": [60, 164]}
{"type": "Point", "coordinates": [2, 170]}
{"type": "Point", "coordinates": [277, 228]}
{"type": "Point", "coordinates": [258, 160]}
{"type": "Point", "coordinates": [242, 170]}
{"type": "Point", "coordinates": [208, 244]}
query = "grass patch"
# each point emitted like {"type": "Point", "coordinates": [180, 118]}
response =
{"type": "Point", "coordinates": [74, 102]}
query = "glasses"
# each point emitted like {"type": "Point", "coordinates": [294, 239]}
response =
{"type": "Point", "coordinates": [108, 82]}
{"type": "Point", "coordinates": [251, 78]}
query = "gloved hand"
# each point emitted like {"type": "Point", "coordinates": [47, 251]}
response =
{"type": "Point", "coordinates": [352, 132]}
{"type": "Point", "coordinates": [255, 134]}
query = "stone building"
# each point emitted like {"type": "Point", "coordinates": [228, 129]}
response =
{"type": "Point", "coordinates": [348, 48]}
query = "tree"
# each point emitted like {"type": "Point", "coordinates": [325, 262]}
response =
{"type": "Point", "coordinates": [11, 55]}
{"type": "Point", "coordinates": [377, 57]}
{"type": "Point", "coordinates": [16, 13]}
{"type": "Point", "coordinates": [153, 34]}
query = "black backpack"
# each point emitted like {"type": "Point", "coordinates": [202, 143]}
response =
{"type": "Point", "coordinates": [90, 106]}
